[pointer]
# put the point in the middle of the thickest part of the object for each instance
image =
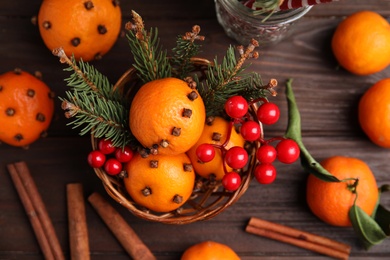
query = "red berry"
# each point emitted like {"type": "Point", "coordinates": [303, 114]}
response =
{"type": "Point", "coordinates": [113, 166]}
{"type": "Point", "coordinates": [96, 159]}
{"type": "Point", "coordinates": [236, 106]}
{"type": "Point", "coordinates": [105, 146]}
{"type": "Point", "coordinates": [124, 155]}
{"type": "Point", "coordinates": [231, 181]}
{"type": "Point", "coordinates": [287, 151]}
{"type": "Point", "coordinates": [268, 113]}
{"type": "Point", "coordinates": [250, 130]}
{"type": "Point", "coordinates": [266, 153]}
{"type": "Point", "coordinates": [265, 173]}
{"type": "Point", "coordinates": [205, 152]}
{"type": "Point", "coordinates": [236, 157]}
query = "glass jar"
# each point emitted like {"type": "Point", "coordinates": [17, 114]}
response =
{"type": "Point", "coordinates": [243, 24]}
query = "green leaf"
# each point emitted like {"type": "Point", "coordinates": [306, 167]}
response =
{"type": "Point", "coordinates": [294, 132]}
{"type": "Point", "coordinates": [382, 215]}
{"type": "Point", "coordinates": [365, 227]}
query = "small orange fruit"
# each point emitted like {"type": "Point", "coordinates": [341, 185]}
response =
{"type": "Point", "coordinates": [27, 107]}
{"type": "Point", "coordinates": [374, 113]}
{"type": "Point", "coordinates": [214, 132]}
{"type": "Point", "coordinates": [331, 201]}
{"type": "Point", "coordinates": [86, 28]}
{"type": "Point", "coordinates": [161, 183]}
{"type": "Point", "coordinates": [167, 114]}
{"type": "Point", "coordinates": [209, 250]}
{"type": "Point", "coordinates": [361, 43]}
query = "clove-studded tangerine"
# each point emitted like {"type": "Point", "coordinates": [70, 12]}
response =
{"type": "Point", "coordinates": [167, 114]}
{"type": "Point", "coordinates": [26, 108]}
{"type": "Point", "coordinates": [85, 28]}
{"type": "Point", "coordinates": [160, 183]}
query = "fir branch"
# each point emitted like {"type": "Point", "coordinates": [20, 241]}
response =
{"type": "Point", "coordinates": [93, 104]}
{"type": "Point", "coordinates": [185, 49]}
{"type": "Point", "coordinates": [102, 118]}
{"type": "Point", "coordinates": [86, 78]}
{"type": "Point", "coordinates": [228, 79]}
{"type": "Point", "coordinates": [151, 61]}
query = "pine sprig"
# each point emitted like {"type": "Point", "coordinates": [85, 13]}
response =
{"type": "Point", "coordinates": [102, 118]}
{"type": "Point", "coordinates": [186, 48]}
{"type": "Point", "coordinates": [93, 104]}
{"type": "Point", "coordinates": [151, 61]}
{"type": "Point", "coordinates": [228, 78]}
{"type": "Point", "coordinates": [85, 78]}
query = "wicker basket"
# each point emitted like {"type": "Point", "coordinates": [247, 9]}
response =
{"type": "Point", "coordinates": [208, 198]}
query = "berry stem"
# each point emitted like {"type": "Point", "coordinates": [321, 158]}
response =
{"type": "Point", "coordinates": [260, 99]}
{"type": "Point", "coordinates": [231, 124]}
{"type": "Point", "coordinates": [273, 139]}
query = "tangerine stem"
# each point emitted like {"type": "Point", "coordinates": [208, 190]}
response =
{"type": "Point", "coordinates": [352, 187]}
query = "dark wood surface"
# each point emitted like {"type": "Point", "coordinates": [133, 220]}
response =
{"type": "Point", "coordinates": [327, 97]}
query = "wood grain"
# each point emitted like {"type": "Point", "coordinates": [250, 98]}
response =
{"type": "Point", "coordinates": [326, 94]}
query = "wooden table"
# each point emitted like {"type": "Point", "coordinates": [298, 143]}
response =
{"type": "Point", "coordinates": [327, 97]}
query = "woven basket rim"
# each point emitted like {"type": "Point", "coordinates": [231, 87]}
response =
{"type": "Point", "coordinates": [192, 210]}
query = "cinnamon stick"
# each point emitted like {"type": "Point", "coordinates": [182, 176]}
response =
{"type": "Point", "coordinates": [298, 238]}
{"type": "Point", "coordinates": [122, 231]}
{"type": "Point", "coordinates": [39, 206]}
{"type": "Point", "coordinates": [77, 222]}
{"type": "Point", "coordinates": [299, 234]}
{"type": "Point", "coordinates": [31, 213]}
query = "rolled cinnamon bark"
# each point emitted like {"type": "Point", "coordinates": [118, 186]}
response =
{"type": "Point", "coordinates": [298, 238]}
{"type": "Point", "coordinates": [299, 234]}
{"type": "Point", "coordinates": [122, 231]}
{"type": "Point", "coordinates": [40, 208]}
{"type": "Point", "coordinates": [31, 213]}
{"type": "Point", "coordinates": [77, 222]}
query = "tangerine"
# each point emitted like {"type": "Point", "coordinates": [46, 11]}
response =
{"type": "Point", "coordinates": [167, 114]}
{"type": "Point", "coordinates": [85, 28]}
{"type": "Point", "coordinates": [209, 250]}
{"type": "Point", "coordinates": [161, 183]}
{"type": "Point", "coordinates": [215, 132]}
{"type": "Point", "coordinates": [27, 107]}
{"type": "Point", "coordinates": [374, 113]}
{"type": "Point", "coordinates": [361, 42]}
{"type": "Point", "coordinates": [331, 201]}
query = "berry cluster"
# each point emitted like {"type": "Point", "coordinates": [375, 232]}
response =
{"type": "Point", "coordinates": [286, 150]}
{"type": "Point", "coordinates": [113, 164]}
